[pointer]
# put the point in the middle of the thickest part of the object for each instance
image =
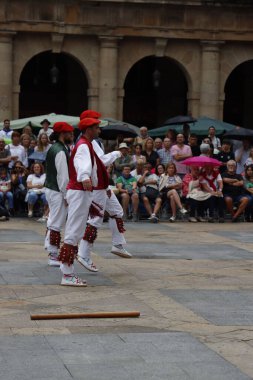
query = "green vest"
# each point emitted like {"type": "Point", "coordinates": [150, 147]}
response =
{"type": "Point", "coordinates": [51, 172]}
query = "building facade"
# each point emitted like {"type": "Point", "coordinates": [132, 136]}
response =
{"type": "Point", "coordinates": [141, 61]}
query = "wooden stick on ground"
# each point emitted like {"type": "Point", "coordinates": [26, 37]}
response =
{"type": "Point", "coordinates": [102, 314]}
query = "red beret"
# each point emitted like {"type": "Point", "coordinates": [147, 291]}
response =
{"type": "Point", "coordinates": [90, 114]}
{"type": "Point", "coordinates": [61, 126]}
{"type": "Point", "coordinates": [88, 122]}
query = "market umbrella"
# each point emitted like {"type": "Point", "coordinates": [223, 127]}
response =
{"type": "Point", "coordinates": [117, 127]}
{"type": "Point", "coordinates": [239, 133]}
{"type": "Point", "coordinates": [34, 121]}
{"type": "Point", "coordinates": [180, 120]}
{"type": "Point", "coordinates": [200, 127]}
{"type": "Point", "coordinates": [201, 161]}
{"type": "Point", "coordinates": [112, 132]}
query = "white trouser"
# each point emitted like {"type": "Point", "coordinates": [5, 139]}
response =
{"type": "Point", "coordinates": [79, 204]}
{"type": "Point", "coordinates": [113, 207]}
{"type": "Point", "coordinates": [57, 217]}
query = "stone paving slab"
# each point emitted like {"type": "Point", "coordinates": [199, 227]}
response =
{"type": "Point", "coordinates": [38, 273]}
{"type": "Point", "coordinates": [244, 237]}
{"type": "Point", "coordinates": [113, 356]}
{"type": "Point", "coordinates": [24, 236]}
{"type": "Point", "coordinates": [178, 251]}
{"type": "Point", "coordinates": [221, 307]}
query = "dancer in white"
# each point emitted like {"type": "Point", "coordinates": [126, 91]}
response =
{"type": "Point", "coordinates": [103, 201]}
{"type": "Point", "coordinates": [57, 178]}
{"type": "Point", "coordinates": [83, 175]}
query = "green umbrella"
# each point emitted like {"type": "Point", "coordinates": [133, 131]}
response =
{"type": "Point", "coordinates": [35, 121]}
{"type": "Point", "coordinates": [200, 127]}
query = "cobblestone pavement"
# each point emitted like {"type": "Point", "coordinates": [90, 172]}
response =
{"type": "Point", "coordinates": [192, 284]}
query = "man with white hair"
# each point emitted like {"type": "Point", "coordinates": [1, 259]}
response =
{"type": "Point", "coordinates": [233, 191]}
{"type": "Point", "coordinates": [143, 137]}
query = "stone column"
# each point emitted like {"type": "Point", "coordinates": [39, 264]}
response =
{"type": "Point", "coordinates": [6, 64]}
{"type": "Point", "coordinates": [108, 76]}
{"type": "Point", "coordinates": [210, 76]}
{"type": "Point", "coordinates": [193, 103]}
{"type": "Point", "coordinates": [92, 98]}
{"type": "Point", "coordinates": [15, 102]}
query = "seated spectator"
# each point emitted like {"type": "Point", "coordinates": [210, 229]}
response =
{"type": "Point", "coordinates": [196, 197]}
{"type": "Point", "coordinates": [241, 155]}
{"type": "Point", "coordinates": [248, 185]}
{"type": "Point", "coordinates": [27, 130]}
{"type": "Point", "coordinates": [6, 132]}
{"type": "Point", "coordinates": [170, 187]}
{"type": "Point", "coordinates": [205, 150]}
{"type": "Point", "coordinates": [5, 154]}
{"type": "Point", "coordinates": [19, 176]}
{"type": "Point", "coordinates": [165, 152]}
{"type": "Point", "coordinates": [234, 192]}
{"type": "Point", "coordinates": [36, 190]}
{"type": "Point", "coordinates": [142, 139]}
{"type": "Point", "coordinates": [225, 155]}
{"type": "Point", "coordinates": [172, 135]}
{"type": "Point", "coordinates": [16, 149]}
{"type": "Point", "coordinates": [5, 190]}
{"type": "Point", "coordinates": [249, 160]}
{"type": "Point", "coordinates": [214, 139]}
{"type": "Point", "coordinates": [193, 143]}
{"type": "Point", "coordinates": [138, 170]}
{"type": "Point", "coordinates": [152, 157]}
{"type": "Point", "coordinates": [158, 144]}
{"type": "Point", "coordinates": [148, 184]}
{"type": "Point", "coordinates": [127, 186]}
{"type": "Point", "coordinates": [137, 154]}
{"type": "Point", "coordinates": [125, 159]}
{"type": "Point", "coordinates": [45, 128]}
{"type": "Point", "coordinates": [25, 142]}
{"type": "Point", "coordinates": [33, 144]}
{"type": "Point", "coordinates": [159, 171]}
{"type": "Point", "coordinates": [43, 144]}
{"type": "Point", "coordinates": [180, 152]}
{"type": "Point", "coordinates": [212, 183]}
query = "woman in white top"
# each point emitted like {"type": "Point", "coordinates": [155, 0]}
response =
{"type": "Point", "coordinates": [16, 149]}
{"type": "Point", "coordinates": [43, 143]}
{"type": "Point", "coordinates": [36, 190]}
{"type": "Point", "coordinates": [170, 186]}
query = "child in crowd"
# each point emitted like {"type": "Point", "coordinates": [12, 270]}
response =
{"type": "Point", "coordinates": [5, 190]}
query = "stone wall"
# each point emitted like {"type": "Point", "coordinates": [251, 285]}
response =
{"type": "Point", "coordinates": [207, 40]}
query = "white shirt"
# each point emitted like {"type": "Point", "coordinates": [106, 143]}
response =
{"type": "Point", "coordinates": [240, 164]}
{"type": "Point", "coordinates": [36, 181]}
{"type": "Point", "coordinates": [215, 141]}
{"type": "Point", "coordinates": [62, 172]}
{"type": "Point", "coordinates": [6, 135]}
{"type": "Point", "coordinates": [83, 165]}
{"type": "Point", "coordinates": [19, 151]}
{"type": "Point", "coordinates": [48, 132]}
{"type": "Point", "coordinates": [107, 159]}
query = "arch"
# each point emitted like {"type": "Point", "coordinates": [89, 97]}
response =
{"type": "Point", "coordinates": [52, 82]}
{"type": "Point", "coordinates": [238, 90]}
{"type": "Point", "coordinates": [155, 89]}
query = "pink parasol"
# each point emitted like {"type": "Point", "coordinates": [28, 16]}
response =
{"type": "Point", "coordinates": [201, 161]}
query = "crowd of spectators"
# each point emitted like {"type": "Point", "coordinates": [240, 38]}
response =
{"type": "Point", "coordinates": [151, 181]}
{"type": "Point", "coordinates": [149, 178]}
{"type": "Point", "coordinates": [22, 177]}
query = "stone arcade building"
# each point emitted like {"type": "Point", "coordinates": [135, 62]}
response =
{"type": "Point", "coordinates": [141, 60]}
